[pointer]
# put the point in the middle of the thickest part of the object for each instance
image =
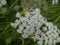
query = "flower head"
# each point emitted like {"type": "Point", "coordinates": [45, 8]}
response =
{"type": "Point", "coordinates": [35, 26]}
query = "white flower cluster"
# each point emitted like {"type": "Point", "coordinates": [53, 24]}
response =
{"type": "Point", "coordinates": [34, 25]}
{"type": "Point", "coordinates": [54, 2]}
{"type": "Point", "coordinates": [2, 2]}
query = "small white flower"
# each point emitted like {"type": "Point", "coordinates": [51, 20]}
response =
{"type": "Point", "coordinates": [42, 35]}
{"type": "Point", "coordinates": [49, 24]}
{"type": "Point", "coordinates": [40, 42]}
{"type": "Point", "coordinates": [26, 31]}
{"type": "Point", "coordinates": [46, 38]}
{"type": "Point", "coordinates": [49, 36]}
{"type": "Point", "coordinates": [29, 22]}
{"type": "Point", "coordinates": [24, 24]}
{"type": "Point", "coordinates": [32, 25]}
{"type": "Point", "coordinates": [27, 15]}
{"type": "Point", "coordinates": [50, 42]}
{"type": "Point", "coordinates": [48, 33]}
{"type": "Point", "coordinates": [27, 27]}
{"type": "Point", "coordinates": [38, 25]}
{"type": "Point", "coordinates": [21, 27]}
{"type": "Point", "coordinates": [17, 22]}
{"type": "Point", "coordinates": [18, 15]}
{"type": "Point", "coordinates": [21, 19]}
{"type": "Point", "coordinates": [46, 42]}
{"type": "Point", "coordinates": [19, 31]}
{"type": "Point", "coordinates": [38, 32]}
{"type": "Point", "coordinates": [44, 29]}
{"type": "Point", "coordinates": [3, 2]}
{"type": "Point", "coordinates": [37, 37]}
{"type": "Point", "coordinates": [25, 35]}
{"type": "Point", "coordinates": [54, 42]}
{"type": "Point", "coordinates": [58, 39]}
{"type": "Point", "coordinates": [37, 10]}
{"type": "Point", "coordinates": [58, 31]}
{"type": "Point", "coordinates": [13, 25]}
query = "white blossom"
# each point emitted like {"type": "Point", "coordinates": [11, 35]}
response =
{"type": "Point", "coordinates": [58, 39]}
{"type": "Point", "coordinates": [46, 42]}
{"type": "Point", "coordinates": [54, 42]}
{"type": "Point", "coordinates": [25, 35]}
{"type": "Point", "coordinates": [13, 25]}
{"type": "Point", "coordinates": [2, 3]}
{"type": "Point", "coordinates": [50, 42]}
{"type": "Point", "coordinates": [18, 15]}
{"type": "Point", "coordinates": [44, 28]}
{"type": "Point", "coordinates": [40, 42]}
{"type": "Point", "coordinates": [17, 22]}
{"type": "Point", "coordinates": [19, 31]}
{"type": "Point", "coordinates": [34, 25]}
{"type": "Point", "coordinates": [38, 32]}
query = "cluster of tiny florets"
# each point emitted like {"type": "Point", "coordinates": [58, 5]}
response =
{"type": "Point", "coordinates": [34, 25]}
{"type": "Point", "coordinates": [2, 3]}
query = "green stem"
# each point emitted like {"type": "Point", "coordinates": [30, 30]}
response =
{"type": "Point", "coordinates": [22, 41]}
{"type": "Point", "coordinates": [56, 19]}
{"type": "Point", "coordinates": [6, 27]}
{"type": "Point", "coordinates": [13, 4]}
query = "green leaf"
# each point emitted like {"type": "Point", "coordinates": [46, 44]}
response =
{"type": "Point", "coordinates": [8, 40]}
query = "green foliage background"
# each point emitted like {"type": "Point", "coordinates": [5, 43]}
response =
{"type": "Point", "coordinates": [9, 35]}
